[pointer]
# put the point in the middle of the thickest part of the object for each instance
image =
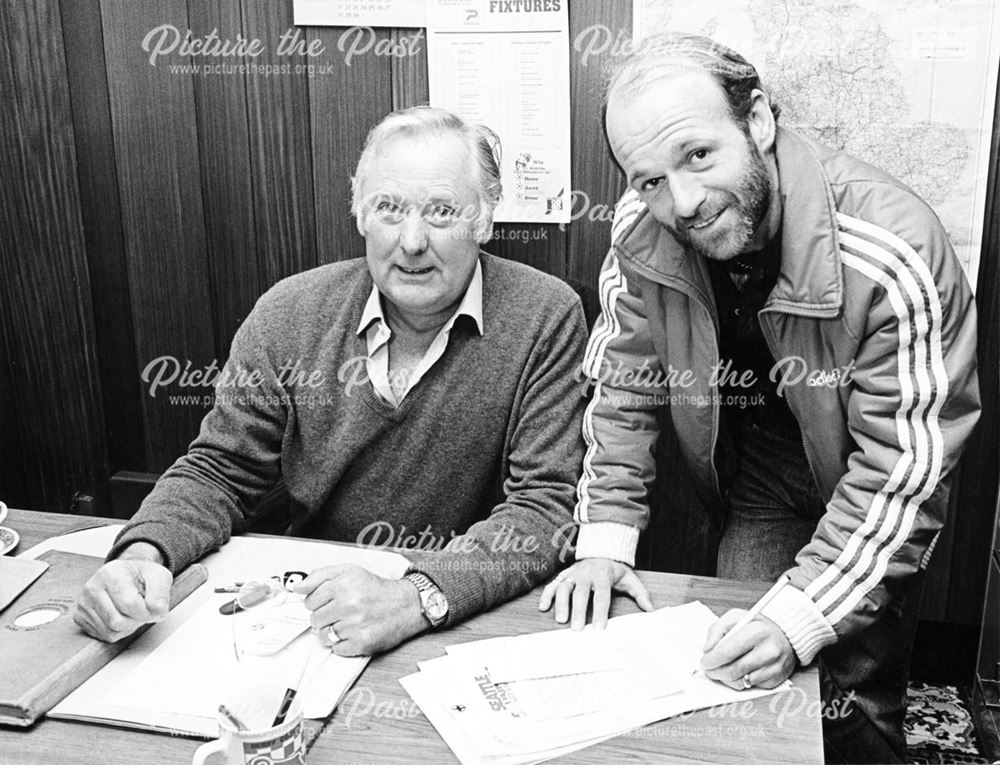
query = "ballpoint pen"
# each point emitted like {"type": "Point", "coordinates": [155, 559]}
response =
{"type": "Point", "coordinates": [754, 612]}
{"type": "Point", "coordinates": [750, 615]}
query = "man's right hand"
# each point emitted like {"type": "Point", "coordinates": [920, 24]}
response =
{"type": "Point", "coordinates": [592, 575]}
{"type": "Point", "coordinates": [124, 594]}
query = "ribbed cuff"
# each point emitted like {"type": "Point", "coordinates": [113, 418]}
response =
{"type": "Point", "coordinates": [802, 622]}
{"type": "Point", "coordinates": [606, 539]}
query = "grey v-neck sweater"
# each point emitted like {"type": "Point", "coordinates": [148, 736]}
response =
{"type": "Point", "coordinates": [487, 445]}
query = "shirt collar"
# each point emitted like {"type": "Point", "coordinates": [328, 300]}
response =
{"type": "Point", "coordinates": [471, 305]}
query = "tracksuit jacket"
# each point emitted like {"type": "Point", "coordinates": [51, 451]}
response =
{"type": "Point", "coordinates": [873, 328]}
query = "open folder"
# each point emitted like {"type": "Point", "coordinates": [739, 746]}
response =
{"type": "Point", "coordinates": [43, 654]}
{"type": "Point", "coordinates": [174, 677]}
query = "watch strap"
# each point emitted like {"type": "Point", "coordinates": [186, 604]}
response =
{"type": "Point", "coordinates": [421, 580]}
{"type": "Point", "coordinates": [425, 585]}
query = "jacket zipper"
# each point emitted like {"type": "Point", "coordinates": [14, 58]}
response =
{"type": "Point", "coordinates": [766, 331]}
{"type": "Point", "coordinates": [695, 295]}
{"type": "Point", "coordinates": [715, 407]}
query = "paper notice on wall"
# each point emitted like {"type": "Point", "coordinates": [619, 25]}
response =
{"type": "Point", "coordinates": [506, 65]}
{"type": "Point", "coordinates": [361, 13]}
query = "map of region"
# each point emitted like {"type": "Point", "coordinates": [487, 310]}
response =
{"type": "Point", "coordinates": [907, 86]}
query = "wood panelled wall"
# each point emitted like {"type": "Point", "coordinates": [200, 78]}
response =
{"type": "Point", "coordinates": [145, 210]}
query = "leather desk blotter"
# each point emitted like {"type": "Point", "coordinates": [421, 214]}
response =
{"type": "Point", "coordinates": [44, 656]}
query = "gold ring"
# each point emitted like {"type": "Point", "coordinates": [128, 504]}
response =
{"type": "Point", "coordinates": [747, 685]}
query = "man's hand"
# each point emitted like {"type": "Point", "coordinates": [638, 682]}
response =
{"type": "Point", "coordinates": [593, 575]}
{"type": "Point", "coordinates": [760, 650]}
{"type": "Point", "coordinates": [368, 613]}
{"type": "Point", "coordinates": [124, 594]}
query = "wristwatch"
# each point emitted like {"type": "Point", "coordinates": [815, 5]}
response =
{"type": "Point", "coordinates": [433, 603]}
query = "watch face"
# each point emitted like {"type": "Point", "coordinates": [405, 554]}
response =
{"type": "Point", "coordinates": [436, 606]}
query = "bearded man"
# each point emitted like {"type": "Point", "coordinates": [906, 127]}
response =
{"type": "Point", "coordinates": [821, 336]}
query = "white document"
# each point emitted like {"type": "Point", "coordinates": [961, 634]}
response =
{"type": "Point", "coordinates": [96, 541]}
{"type": "Point", "coordinates": [659, 653]}
{"type": "Point", "coordinates": [618, 647]}
{"type": "Point", "coordinates": [203, 650]}
{"type": "Point", "coordinates": [507, 66]}
{"type": "Point", "coordinates": [533, 720]}
{"type": "Point", "coordinates": [175, 675]}
{"type": "Point", "coordinates": [463, 741]}
{"type": "Point", "coordinates": [368, 13]}
{"type": "Point", "coordinates": [544, 654]}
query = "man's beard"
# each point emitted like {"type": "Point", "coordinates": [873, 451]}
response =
{"type": "Point", "coordinates": [749, 202]}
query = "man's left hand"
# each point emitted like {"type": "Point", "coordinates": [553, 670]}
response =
{"type": "Point", "coordinates": [368, 613]}
{"type": "Point", "coordinates": [760, 650]}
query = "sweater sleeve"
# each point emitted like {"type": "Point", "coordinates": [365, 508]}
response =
{"type": "Point", "coordinates": [234, 460]}
{"type": "Point", "coordinates": [528, 534]}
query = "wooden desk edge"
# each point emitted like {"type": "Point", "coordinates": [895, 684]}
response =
{"type": "Point", "coordinates": [36, 526]}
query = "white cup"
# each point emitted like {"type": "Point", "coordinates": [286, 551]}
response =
{"type": "Point", "coordinates": [8, 537]}
{"type": "Point", "coordinates": [256, 742]}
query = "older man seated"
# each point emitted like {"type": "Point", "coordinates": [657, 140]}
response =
{"type": "Point", "coordinates": [433, 393]}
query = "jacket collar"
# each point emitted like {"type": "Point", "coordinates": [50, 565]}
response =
{"type": "Point", "coordinates": [810, 281]}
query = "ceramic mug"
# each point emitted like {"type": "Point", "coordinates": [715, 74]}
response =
{"type": "Point", "coordinates": [255, 741]}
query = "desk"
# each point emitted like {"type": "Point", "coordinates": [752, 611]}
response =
{"type": "Point", "coordinates": [378, 723]}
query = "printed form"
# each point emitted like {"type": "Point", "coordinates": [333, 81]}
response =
{"type": "Point", "coordinates": [641, 669]}
{"type": "Point", "coordinates": [506, 65]}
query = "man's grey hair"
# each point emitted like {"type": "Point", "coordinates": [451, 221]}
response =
{"type": "Point", "coordinates": [666, 55]}
{"type": "Point", "coordinates": [420, 121]}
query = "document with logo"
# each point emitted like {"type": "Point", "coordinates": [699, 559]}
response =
{"type": "Point", "coordinates": [484, 720]}
{"type": "Point", "coordinates": [505, 64]}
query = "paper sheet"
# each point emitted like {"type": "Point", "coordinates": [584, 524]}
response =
{"type": "Point", "coordinates": [565, 652]}
{"type": "Point", "coordinates": [204, 647]}
{"type": "Point", "coordinates": [509, 69]}
{"type": "Point", "coordinates": [96, 541]}
{"type": "Point", "coordinates": [424, 692]}
{"type": "Point", "coordinates": [349, 13]}
{"type": "Point", "coordinates": [545, 654]}
{"type": "Point", "coordinates": [185, 664]}
{"type": "Point", "coordinates": [484, 721]}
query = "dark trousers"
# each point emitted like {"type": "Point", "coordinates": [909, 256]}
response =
{"type": "Point", "coordinates": [772, 509]}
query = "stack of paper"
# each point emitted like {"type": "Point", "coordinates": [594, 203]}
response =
{"type": "Point", "coordinates": [533, 697]}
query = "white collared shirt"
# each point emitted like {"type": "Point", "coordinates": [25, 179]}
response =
{"type": "Point", "coordinates": [377, 334]}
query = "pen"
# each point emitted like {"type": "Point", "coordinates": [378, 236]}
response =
{"type": "Point", "coordinates": [749, 616]}
{"type": "Point", "coordinates": [286, 702]}
{"type": "Point", "coordinates": [754, 612]}
{"type": "Point", "coordinates": [224, 711]}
